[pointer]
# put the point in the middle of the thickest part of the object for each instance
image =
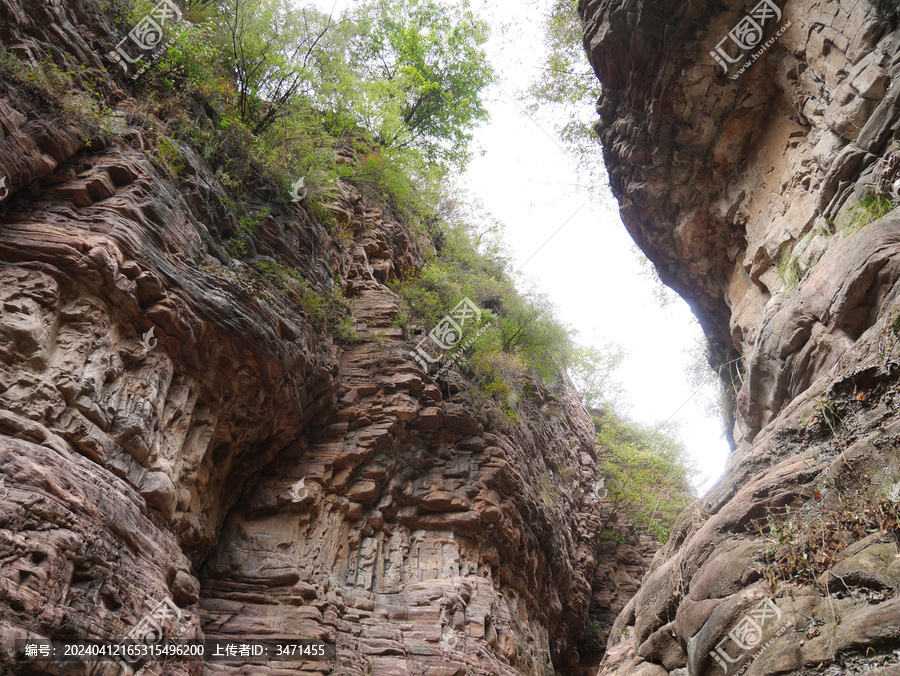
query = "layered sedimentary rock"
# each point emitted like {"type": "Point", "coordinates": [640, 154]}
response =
{"type": "Point", "coordinates": [175, 430]}
{"type": "Point", "coordinates": [760, 174]}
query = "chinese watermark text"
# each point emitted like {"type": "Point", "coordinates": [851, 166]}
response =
{"type": "Point", "coordinates": [147, 35]}
{"type": "Point", "coordinates": [448, 334]}
{"type": "Point", "coordinates": [747, 635]}
{"type": "Point", "coordinates": [747, 35]}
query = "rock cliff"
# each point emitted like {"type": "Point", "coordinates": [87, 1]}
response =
{"type": "Point", "coordinates": [176, 428]}
{"type": "Point", "coordinates": [754, 148]}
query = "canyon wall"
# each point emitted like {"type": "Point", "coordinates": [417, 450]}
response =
{"type": "Point", "coordinates": [754, 148]}
{"type": "Point", "coordinates": [176, 429]}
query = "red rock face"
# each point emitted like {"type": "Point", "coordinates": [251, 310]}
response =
{"type": "Point", "coordinates": [764, 196]}
{"type": "Point", "coordinates": [172, 427]}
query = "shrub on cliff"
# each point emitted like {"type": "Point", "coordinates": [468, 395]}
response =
{"type": "Point", "coordinates": [522, 335]}
{"type": "Point", "coordinates": [268, 91]}
{"type": "Point", "coordinates": [409, 73]}
{"type": "Point", "coordinates": [647, 474]}
{"type": "Point", "coordinates": [865, 212]}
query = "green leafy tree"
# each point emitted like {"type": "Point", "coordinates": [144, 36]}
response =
{"type": "Point", "coordinates": [530, 330]}
{"type": "Point", "coordinates": [410, 73]}
{"type": "Point", "coordinates": [429, 72]}
{"type": "Point", "coordinates": [592, 370]}
{"type": "Point", "coordinates": [269, 46]}
{"type": "Point", "coordinates": [647, 474]}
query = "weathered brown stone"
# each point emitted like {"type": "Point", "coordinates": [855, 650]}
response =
{"type": "Point", "coordinates": [743, 191]}
{"type": "Point", "coordinates": [266, 477]}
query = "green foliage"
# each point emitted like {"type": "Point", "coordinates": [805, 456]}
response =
{"type": "Point", "coordinates": [501, 377]}
{"type": "Point", "coordinates": [325, 311]}
{"type": "Point", "coordinates": [240, 244]}
{"type": "Point", "coordinates": [791, 272]}
{"type": "Point", "coordinates": [519, 336]}
{"type": "Point", "coordinates": [529, 328]}
{"type": "Point", "coordinates": [523, 336]}
{"type": "Point", "coordinates": [429, 63]}
{"type": "Point", "coordinates": [615, 535]}
{"type": "Point", "coordinates": [796, 256]}
{"type": "Point", "coordinates": [383, 175]}
{"type": "Point", "coordinates": [789, 265]}
{"type": "Point", "coordinates": [409, 72]}
{"type": "Point", "coordinates": [331, 310]}
{"type": "Point", "coordinates": [238, 247]}
{"type": "Point", "coordinates": [547, 492]}
{"type": "Point", "coordinates": [171, 157]}
{"type": "Point", "coordinates": [567, 89]}
{"type": "Point", "coordinates": [567, 78]}
{"type": "Point", "coordinates": [457, 270]}
{"type": "Point", "coordinates": [193, 59]}
{"type": "Point", "coordinates": [267, 46]}
{"type": "Point", "coordinates": [647, 474]}
{"type": "Point", "coordinates": [269, 91]}
{"type": "Point", "coordinates": [593, 632]}
{"type": "Point", "coordinates": [868, 210]}
{"type": "Point", "coordinates": [592, 370]}
{"type": "Point", "coordinates": [74, 95]}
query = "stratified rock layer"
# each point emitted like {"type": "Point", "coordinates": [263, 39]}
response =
{"type": "Point", "coordinates": [173, 427]}
{"type": "Point", "coordinates": [766, 195]}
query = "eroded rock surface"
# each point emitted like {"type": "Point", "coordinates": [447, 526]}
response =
{"type": "Point", "coordinates": [767, 197]}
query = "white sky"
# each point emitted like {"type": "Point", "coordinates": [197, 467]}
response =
{"type": "Point", "coordinates": [590, 269]}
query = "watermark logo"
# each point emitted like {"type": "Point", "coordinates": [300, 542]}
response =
{"type": "Point", "coordinates": [893, 492]}
{"type": "Point", "coordinates": [148, 342]}
{"type": "Point", "coordinates": [449, 640]}
{"type": "Point", "coordinates": [747, 35]}
{"type": "Point", "coordinates": [4, 191]}
{"type": "Point", "coordinates": [296, 490]}
{"type": "Point", "coordinates": [150, 630]}
{"type": "Point", "coordinates": [296, 196]}
{"type": "Point", "coordinates": [748, 634]}
{"type": "Point", "coordinates": [147, 35]}
{"type": "Point", "coordinates": [600, 486]}
{"type": "Point", "coordinates": [447, 335]}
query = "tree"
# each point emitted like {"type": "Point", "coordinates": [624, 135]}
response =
{"type": "Point", "coordinates": [431, 70]}
{"type": "Point", "coordinates": [592, 370]}
{"type": "Point", "coordinates": [647, 475]}
{"type": "Point", "coordinates": [270, 44]}
{"type": "Point", "coordinates": [529, 328]}
{"type": "Point", "coordinates": [567, 88]}
{"type": "Point", "coordinates": [410, 73]}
